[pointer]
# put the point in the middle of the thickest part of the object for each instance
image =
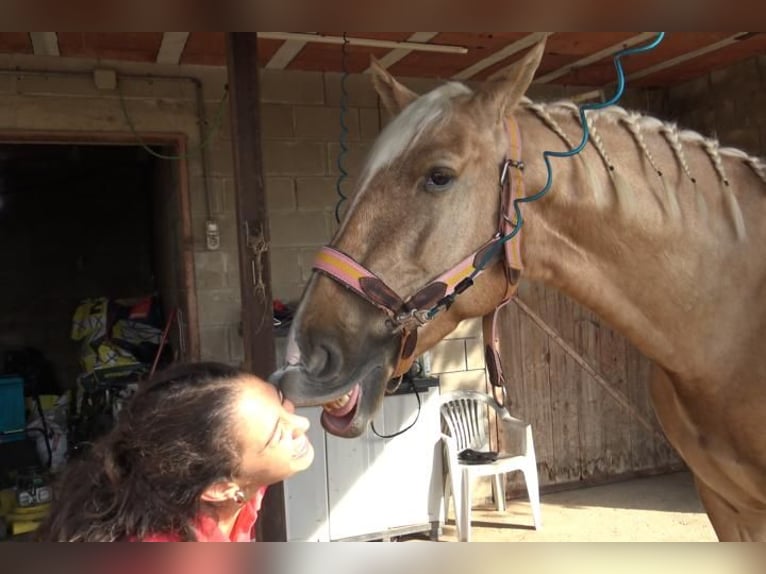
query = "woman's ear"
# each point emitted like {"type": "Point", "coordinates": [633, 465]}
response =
{"type": "Point", "coordinates": [221, 491]}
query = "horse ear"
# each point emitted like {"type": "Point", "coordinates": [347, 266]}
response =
{"type": "Point", "coordinates": [503, 93]}
{"type": "Point", "coordinates": [394, 95]}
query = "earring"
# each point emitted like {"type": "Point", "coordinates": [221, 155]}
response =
{"type": "Point", "coordinates": [239, 497]}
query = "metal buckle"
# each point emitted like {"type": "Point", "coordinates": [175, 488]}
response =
{"type": "Point", "coordinates": [518, 164]}
{"type": "Point", "coordinates": [504, 172]}
{"type": "Point", "coordinates": [502, 392]}
{"type": "Point", "coordinates": [410, 320]}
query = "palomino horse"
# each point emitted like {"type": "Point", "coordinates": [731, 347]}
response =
{"type": "Point", "coordinates": [657, 230]}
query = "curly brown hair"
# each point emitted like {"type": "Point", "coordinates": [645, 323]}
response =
{"type": "Point", "coordinates": [172, 440]}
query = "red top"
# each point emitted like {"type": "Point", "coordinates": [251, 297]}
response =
{"type": "Point", "coordinates": [206, 528]}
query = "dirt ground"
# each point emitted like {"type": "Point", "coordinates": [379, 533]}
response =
{"type": "Point", "coordinates": [655, 509]}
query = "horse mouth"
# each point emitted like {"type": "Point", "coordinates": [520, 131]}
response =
{"type": "Point", "coordinates": [346, 409]}
{"type": "Point", "coordinates": [339, 415]}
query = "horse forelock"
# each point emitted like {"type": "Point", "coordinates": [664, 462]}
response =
{"type": "Point", "coordinates": [409, 126]}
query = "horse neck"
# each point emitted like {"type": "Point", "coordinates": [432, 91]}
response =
{"type": "Point", "coordinates": [662, 258]}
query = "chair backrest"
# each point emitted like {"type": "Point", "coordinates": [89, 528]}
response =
{"type": "Point", "coordinates": [464, 417]}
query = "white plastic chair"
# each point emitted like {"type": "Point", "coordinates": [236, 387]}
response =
{"type": "Point", "coordinates": [465, 425]}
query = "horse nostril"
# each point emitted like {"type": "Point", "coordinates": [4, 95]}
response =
{"type": "Point", "coordinates": [324, 362]}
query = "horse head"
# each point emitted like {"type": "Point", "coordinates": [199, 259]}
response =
{"type": "Point", "coordinates": [426, 208]}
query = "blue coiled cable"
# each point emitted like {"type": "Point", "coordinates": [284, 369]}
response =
{"type": "Point", "coordinates": [343, 132]}
{"type": "Point", "coordinates": [491, 253]}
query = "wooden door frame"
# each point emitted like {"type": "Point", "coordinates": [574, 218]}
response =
{"type": "Point", "coordinates": [253, 237]}
{"type": "Point", "coordinates": [185, 241]}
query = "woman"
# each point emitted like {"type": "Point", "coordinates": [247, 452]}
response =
{"type": "Point", "coordinates": [189, 459]}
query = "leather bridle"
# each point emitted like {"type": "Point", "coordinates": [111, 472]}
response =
{"type": "Point", "coordinates": [407, 316]}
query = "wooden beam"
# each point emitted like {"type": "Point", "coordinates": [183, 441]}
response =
{"type": "Point", "coordinates": [286, 53]}
{"type": "Point", "coordinates": [500, 55]}
{"type": "Point", "coordinates": [45, 43]}
{"type": "Point", "coordinates": [253, 237]}
{"type": "Point", "coordinates": [395, 55]}
{"type": "Point", "coordinates": [595, 57]}
{"type": "Point", "coordinates": [172, 47]}
{"type": "Point", "coordinates": [734, 38]}
{"type": "Point", "coordinates": [370, 42]}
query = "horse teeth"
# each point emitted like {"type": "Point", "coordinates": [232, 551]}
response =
{"type": "Point", "coordinates": [339, 403]}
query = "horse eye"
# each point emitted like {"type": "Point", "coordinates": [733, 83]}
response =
{"type": "Point", "coordinates": [439, 179]}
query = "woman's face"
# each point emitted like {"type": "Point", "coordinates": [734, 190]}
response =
{"type": "Point", "coordinates": [274, 438]}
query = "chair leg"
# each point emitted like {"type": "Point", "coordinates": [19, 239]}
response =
{"type": "Point", "coordinates": [447, 494]}
{"type": "Point", "coordinates": [464, 528]}
{"type": "Point", "coordinates": [533, 490]}
{"type": "Point", "coordinates": [456, 489]}
{"type": "Point", "coordinates": [499, 492]}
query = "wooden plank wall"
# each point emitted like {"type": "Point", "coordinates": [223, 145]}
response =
{"type": "Point", "coordinates": [582, 434]}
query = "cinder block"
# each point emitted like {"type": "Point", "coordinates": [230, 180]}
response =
{"type": "Point", "coordinates": [99, 113]}
{"type": "Point", "coordinates": [227, 224]}
{"type": "Point", "coordinates": [214, 343]}
{"type": "Point", "coordinates": [7, 84]}
{"type": "Point", "coordinates": [210, 269]}
{"type": "Point", "coordinates": [277, 121]}
{"type": "Point", "coordinates": [359, 90]}
{"type": "Point", "coordinates": [422, 85]}
{"type": "Point", "coordinates": [294, 158]}
{"type": "Point", "coordinates": [53, 85]}
{"type": "Point", "coordinates": [332, 223]}
{"type": "Point", "coordinates": [322, 123]}
{"type": "Point", "coordinates": [306, 262]}
{"type": "Point", "coordinates": [474, 354]}
{"type": "Point", "coordinates": [291, 87]}
{"type": "Point", "coordinates": [197, 196]}
{"type": "Point", "coordinates": [289, 294]}
{"type": "Point", "coordinates": [285, 266]}
{"type": "Point", "coordinates": [280, 194]}
{"type": "Point", "coordinates": [298, 229]}
{"type": "Point", "coordinates": [466, 329]}
{"type": "Point", "coordinates": [448, 356]}
{"type": "Point", "coordinates": [463, 381]}
{"type": "Point", "coordinates": [220, 158]}
{"type": "Point", "coordinates": [218, 306]}
{"type": "Point", "coordinates": [221, 191]}
{"type": "Point", "coordinates": [369, 123]}
{"type": "Point", "coordinates": [353, 160]}
{"type": "Point", "coordinates": [220, 125]}
{"type": "Point", "coordinates": [199, 231]}
{"type": "Point", "coordinates": [236, 343]}
{"type": "Point", "coordinates": [180, 89]}
{"type": "Point", "coordinates": [317, 193]}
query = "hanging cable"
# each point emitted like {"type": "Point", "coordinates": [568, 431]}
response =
{"type": "Point", "coordinates": [204, 140]}
{"type": "Point", "coordinates": [493, 251]}
{"type": "Point", "coordinates": [405, 429]}
{"type": "Point", "coordinates": [585, 136]}
{"type": "Point", "coordinates": [343, 174]}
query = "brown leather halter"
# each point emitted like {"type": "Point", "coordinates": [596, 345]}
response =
{"type": "Point", "coordinates": [406, 316]}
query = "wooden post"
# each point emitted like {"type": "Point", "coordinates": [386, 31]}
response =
{"type": "Point", "coordinates": [253, 236]}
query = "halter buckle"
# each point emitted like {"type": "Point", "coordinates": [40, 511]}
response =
{"type": "Point", "coordinates": [411, 319]}
{"type": "Point", "coordinates": [508, 163]}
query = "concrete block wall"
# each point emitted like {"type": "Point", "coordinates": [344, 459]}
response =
{"type": "Point", "coordinates": [301, 130]}
{"type": "Point", "coordinates": [59, 95]}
